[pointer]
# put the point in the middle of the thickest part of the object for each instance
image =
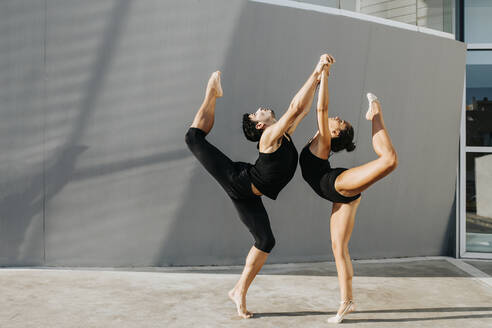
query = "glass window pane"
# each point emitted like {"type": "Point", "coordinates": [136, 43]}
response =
{"type": "Point", "coordinates": [479, 202]}
{"type": "Point", "coordinates": [436, 14]}
{"type": "Point", "coordinates": [479, 98]}
{"type": "Point", "coordinates": [478, 22]}
{"type": "Point", "coordinates": [404, 11]}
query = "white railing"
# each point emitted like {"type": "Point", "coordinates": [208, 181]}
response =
{"type": "Point", "coordinates": [434, 14]}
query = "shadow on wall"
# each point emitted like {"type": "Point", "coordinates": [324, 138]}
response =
{"type": "Point", "coordinates": [18, 209]}
{"type": "Point", "coordinates": [21, 187]}
{"type": "Point", "coordinates": [192, 238]}
{"type": "Point", "coordinates": [449, 243]}
{"type": "Point", "coordinates": [198, 221]}
{"type": "Point", "coordinates": [205, 228]}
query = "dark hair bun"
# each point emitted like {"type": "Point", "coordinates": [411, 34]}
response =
{"type": "Point", "coordinates": [350, 147]}
{"type": "Point", "coordinates": [344, 140]}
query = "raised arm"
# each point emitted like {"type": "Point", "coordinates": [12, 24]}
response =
{"type": "Point", "coordinates": [304, 99]}
{"type": "Point", "coordinates": [322, 111]}
{"type": "Point", "coordinates": [298, 108]}
{"type": "Point", "coordinates": [321, 144]}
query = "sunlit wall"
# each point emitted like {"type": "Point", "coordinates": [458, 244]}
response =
{"type": "Point", "coordinates": [96, 98]}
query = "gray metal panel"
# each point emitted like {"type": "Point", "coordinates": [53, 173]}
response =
{"type": "Point", "coordinates": [406, 62]}
{"type": "Point", "coordinates": [120, 100]}
{"type": "Point", "coordinates": [21, 132]}
{"type": "Point", "coordinates": [125, 78]}
{"type": "Point", "coordinates": [420, 96]}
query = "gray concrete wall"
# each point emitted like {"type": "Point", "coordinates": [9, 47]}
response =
{"type": "Point", "coordinates": [97, 95]}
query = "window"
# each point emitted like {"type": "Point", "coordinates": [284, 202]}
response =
{"type": "Point", "coordinates": [478, 25]}
{"type": "Point", "coordinates": [479, 202]}
{"type": "Point", "coordinates": [434, 14]}
{"type": "Point", "coordinates": [476, 138]}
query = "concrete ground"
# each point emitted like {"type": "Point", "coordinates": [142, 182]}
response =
{"type": "Point", "coordinates": [418, 292]}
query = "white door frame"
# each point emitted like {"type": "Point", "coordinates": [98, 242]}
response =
{"type": "Point", "coordinates": [461, 224]}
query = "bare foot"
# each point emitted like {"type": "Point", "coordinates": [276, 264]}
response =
{"type": "Point", "coordinates": [214, 84]}
{"type": "Point", "coordinates": [373, 106]}
{"type": "Point", "coordinates": [240, 302]}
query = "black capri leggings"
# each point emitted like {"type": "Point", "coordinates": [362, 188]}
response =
{"type": "Point", "coordinates": [234, 179]}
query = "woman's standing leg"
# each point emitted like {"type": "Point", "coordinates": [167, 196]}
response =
{"type": "Point", "coordinates": [341, 226]}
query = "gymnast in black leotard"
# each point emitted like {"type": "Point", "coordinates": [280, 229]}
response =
{"type": "Point", "coordinates": [340, 185]}
{"type": "Point", "coordinates": [246, 183]}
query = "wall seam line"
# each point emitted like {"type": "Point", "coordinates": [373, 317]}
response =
{"type": "Point", "coordinates": [44, 127]}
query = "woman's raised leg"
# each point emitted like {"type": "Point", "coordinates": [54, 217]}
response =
{"type": "Point", "coordinates": [355, 180]}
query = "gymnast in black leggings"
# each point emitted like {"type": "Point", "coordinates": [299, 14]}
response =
{"type": "Point", "coordinates": [340, 185]}
{"type": "Point", "coordinates": [246, 183]}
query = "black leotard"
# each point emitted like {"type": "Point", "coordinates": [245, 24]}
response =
{"type": "Point", "coordinates": [321, 177]}
{"type": "Point", "coordinates": [273, 171]}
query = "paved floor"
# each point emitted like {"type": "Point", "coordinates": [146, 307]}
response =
{"type": "Point", "coordinates": [423, 292]}
{"type": "Point", "coordinates": [485, 266]}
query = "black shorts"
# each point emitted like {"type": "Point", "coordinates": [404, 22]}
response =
{"type": "Point", "coordinates": [234, 179]}
{"type": "Point", "coordinates": [321, 177]}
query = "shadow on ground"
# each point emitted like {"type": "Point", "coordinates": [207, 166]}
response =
{"type": "Point", "coordinates": [417, 310]}
{"type": "Point", "coordinates": [417, 268]}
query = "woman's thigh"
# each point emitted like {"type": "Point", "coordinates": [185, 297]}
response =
{"type": "Point", "coordinates": [342, 222]}
{"type": "Point", "coordinates": [357, 179]}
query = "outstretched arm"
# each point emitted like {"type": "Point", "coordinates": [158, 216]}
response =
{"type": "Point", "coordinates": [304, 99]}
{"type": "Point", "coordinates": [321, 143]}
{"type": "Point", "coordinates": [298, 108]}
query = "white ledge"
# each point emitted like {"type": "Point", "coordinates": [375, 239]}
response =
{"type": "Point", "coordinates": [480, 46]}
{"type": "Point", "coordinates": [352, 14]}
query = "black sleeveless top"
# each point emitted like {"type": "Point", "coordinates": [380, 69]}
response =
{"type": "Point", "coordinates": [271, 172]}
